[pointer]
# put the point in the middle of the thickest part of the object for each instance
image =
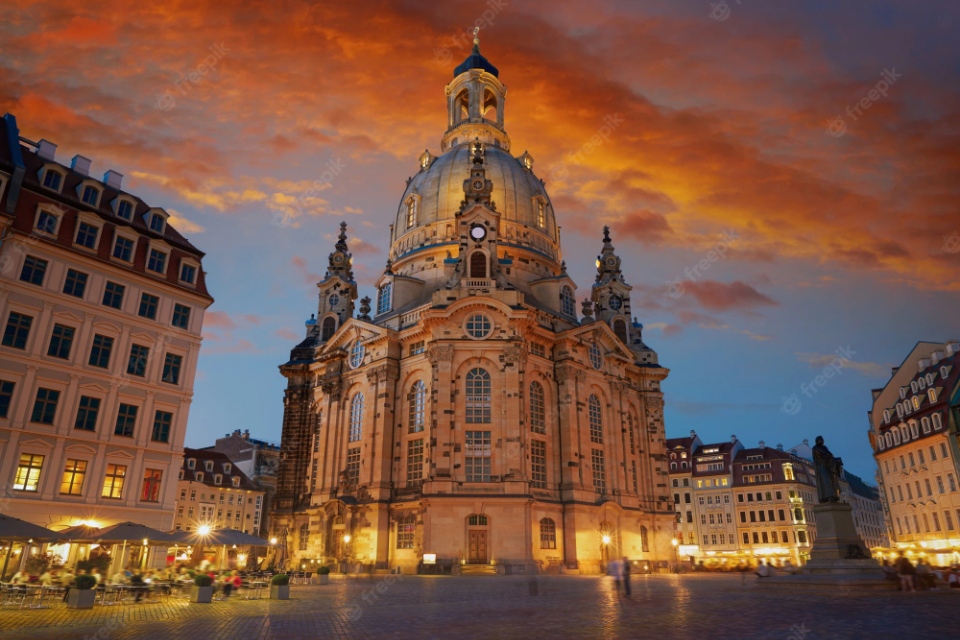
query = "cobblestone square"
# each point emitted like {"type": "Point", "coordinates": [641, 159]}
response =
{"type": "Point", "coordinates": [662, 606]}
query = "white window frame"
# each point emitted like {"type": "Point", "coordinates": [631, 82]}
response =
{"type": "Point", "coordinates": [196, 276]}
{"type": "Point", "coordinates": [115, 205]}
{"type": "Point", "coordinates": [83, 187]}
{"type": "Point", "coordinates": [148, 219]}
{"type": "Point", "coordinates": [127, 234]}
{"type": "Point", "coordinates": [46, 168]}
{"type": "Point", "coordinates": [56, 212]}
{"type": "Point", "coordinates": [162, 247]}
{"type": "Point", "coordinates": [93, 221]}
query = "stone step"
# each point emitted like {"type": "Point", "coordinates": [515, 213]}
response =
{"type": "Point", "coordinates": [478, 570]}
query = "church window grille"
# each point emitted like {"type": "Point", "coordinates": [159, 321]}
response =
{"type": "Point", "coordinates": [599, 470]}
{"type": "Point", "coordinates": [411, 212]}
{"type": "Point", "coordinates": [596, 358]}
{"type": "Point", "coordinates": [478, 391]}
{"type": "Point", "coordinates": [538, 464]}
{"type": "Point", "coordinates": [537, 408]}
{"type": "Point", "coordinates": [596, 419]}
{"type": "Point", "coordinates": [479, 326]}
{"type": "Point", "coordinates": [406, 526]}
{"type": "Point", "coordinates": [418, 402]}
{"type": "Point", "coordinates": [414, 462]}
{"type": "Point", "coordinates": [304, 537]}
{"type": "Point", "coordinates": [356, 418]}
{"type": "Point", "coordinates": [353, 465]}
{"type": "Point", "coordinates": [329, 328]}
{"type": "Point", "coordinates": [356, 354]}
{"type": "Point", "coordinates": [548, 534]}
{"type": "Point", "coordinates": [383, 299]}
{"type": "Point", "coordinates": [620, 328]}
{"type": "Point", "coordinates": [568, 306]}
{"type": "Point", "coordinates": [477, 459]}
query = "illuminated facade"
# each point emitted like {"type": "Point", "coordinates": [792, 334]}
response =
{"type": "Point", "coordinates": [913, 427]}
{"type": "Point", "coordinates": [213, 491]}
{"type": "Point", "coordinates": [101, 305]}
{"type": "Point", "coordinates": [470, 411]}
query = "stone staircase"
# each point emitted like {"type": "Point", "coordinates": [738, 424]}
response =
{"type": "Point", "coordinates": [478, 570]}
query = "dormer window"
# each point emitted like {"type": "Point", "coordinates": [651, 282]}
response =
{"type": "Point", "coordinates": [199, 476]}
{"type": "Point", "coordinates": [157, 261]}
{"type": "Point", "coordinates": [217, 479]}
{"type": "Point", "coordinates": [932, 395]}
{"type": "Point", "coordinates": [903, 393]}
{"type": "Point", "coordinates": [916, 402]}
{"type": "Point", "coordinates": [208, 465]}
{"type": "Point", "coordinates": [192, 463]}
{"type": "Point", "coordinates": [944, 371]}
{"type": "Point", "coordinates": [227, 467]}
{"type": "Point", "coordinates": [886, 415]}
{"type": "Point", "coordinates": [913, 386]}
{"type": "Point", "coordinates": [937, 422]}
{"type": "Point", "coordinates": [188, 273]}
{"type": "Point", "coordinates": [236, 481]}
{"type": "Point", "coordinates": [90, 195]}
{"type": "Point", "coordinates": [125, 210]}
{"type": "Point", "coordinates": [930, 378]}
{"type": "Point", "coordinates": [411, 212]}
{"type": "Point", "coordinates": [157, 222]}
{"type": "Point", "coordinates": [52, 179]}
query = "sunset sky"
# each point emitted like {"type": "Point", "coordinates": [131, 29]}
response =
{"type": "Point", "coordinates": [813, 146]}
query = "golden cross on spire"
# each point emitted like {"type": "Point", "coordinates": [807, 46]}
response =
{"type": "Point", "coordinates": [476, 36]}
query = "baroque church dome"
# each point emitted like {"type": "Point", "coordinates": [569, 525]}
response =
{"type": "Point", "coordinates": [517, 192]}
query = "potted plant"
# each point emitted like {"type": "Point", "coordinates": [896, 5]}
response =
{"type": "Point", "coordinates": [280, 587]}
{"type": "Point", "coordinates": [323, 574]}
{"type": "Point", "coordinates": [202, 589]}
{"type": "Point", "coordinates": [82, 594]}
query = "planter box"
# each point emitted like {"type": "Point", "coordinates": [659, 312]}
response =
{"type": "Point", "coordinates": [81, 598]}
{"type": "Point", "coordinates": [320, 579]}
{"type": "Point", "coordinates": [201, 594]}
{"type": "Point", "coordinates": [279, 593]}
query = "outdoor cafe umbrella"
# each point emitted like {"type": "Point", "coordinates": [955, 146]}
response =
{"type": "Point", "coordinates": [14, 529]}
{"type": "Point", "coordinates": [127, 531]}
{"type": "Point", "coordinates": [224, 537]}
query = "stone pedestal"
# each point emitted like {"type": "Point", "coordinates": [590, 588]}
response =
{"type": "Point", "coordinates": [838, 547]}
{"type": "Point", "coordinates": [839, 559]}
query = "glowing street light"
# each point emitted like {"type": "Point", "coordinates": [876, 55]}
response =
{"type": "Point", "coordinates": [605, 539]}
{"type": "Point", "coordinates": [346, 538]}
{"type": "Point", "coordinates": [203, 530]}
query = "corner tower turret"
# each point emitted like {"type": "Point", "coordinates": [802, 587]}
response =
{"type": "Point", "coordinates": [338, 290]}
{"type": "Point", "coordinates": [611, 293]}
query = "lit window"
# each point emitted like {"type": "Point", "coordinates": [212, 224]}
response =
{"type": "Point", "coordinates": [28, 472]}
{"type": "Point", "coordinates": [541, 214]}
{"type": "Point", "coordinates": [406, 526]}
{"type": "Point", "coordinates": [151, 485]}
{"type": "Point", "coordinates": [411, 212]}
{"type": "Point", "coordinates": [548, 534]}
{"type": "Point", "coordinates": [353, 465]}
{"type": "Point", "coordinates": [113, 481]}
{"type": "Point", "coordinates": [73, 475]}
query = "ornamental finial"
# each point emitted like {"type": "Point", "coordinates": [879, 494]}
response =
{"type": "Point", "coordinates": [476, 37]}
{"type": "Point", "coordinates": [606, 234]}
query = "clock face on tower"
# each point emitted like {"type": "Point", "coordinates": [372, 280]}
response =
{"type": "Point", "coordinates": [611, 261]}
{"type": "Point", "coordinates": [338, 258]}
{"type": "Point", "coordinates": [478, 233]}
{"type": "Point", "coordinates": [478, 185]}
{"type": "Point", "coordinates": [616, 302]}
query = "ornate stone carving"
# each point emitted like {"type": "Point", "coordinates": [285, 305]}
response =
{"type": "Point", "coordinates": [378, 375]}
{"type": "Point", "coordinates": [440, 353]}
{"type": "Point", "coordinates": [333, 389]}
{"type": "Point", "coordinates": [515, 353]}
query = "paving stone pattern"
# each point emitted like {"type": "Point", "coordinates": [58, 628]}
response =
{"type": "Point", "coordinates": [698, 607]}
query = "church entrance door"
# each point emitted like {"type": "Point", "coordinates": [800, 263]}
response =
{"type": "Point", "coordinates": [477, 548]}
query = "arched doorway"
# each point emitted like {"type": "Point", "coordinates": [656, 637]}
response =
{"type": "Point", "coordinates": [478, 539]}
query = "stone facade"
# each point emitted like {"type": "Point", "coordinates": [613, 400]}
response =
{"type": "Point", "coordinates": [474, 416]}
{"type": "Point", "coordinates": [101, 305]}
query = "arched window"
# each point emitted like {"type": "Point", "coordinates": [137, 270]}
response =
{"type": "Point", "coordinates": [937, 422]}
{"type": "Point", "coordinates": [548, 534]}
{"type": "Point", "coordinates": [541, 214]}
{"type": "Point", "coordinates": [568, 306]}
{"type": "Point", "coordinates": [537, 408]}
{"type": "Point", "coordinates": [418, 402]}
{"type": "Point", "coordinates": [383, 298]}
{"type": "Point", "coordinates": [411, 212]}
{"type": "Point", "coordinates": [596, 419]}
{"type": "Point", "coordinates": [620, 328]}
{"type": "Point", "coordinates": [328, 328]}
{"type": "Point", "coordinates": [478, 264]}
{"type": "Point", "coordinates": [478, 396]}
{"type": "Point", "coordinates": [914, 432]}
{"type": "Point", "coordinates": [489, 106]}
{"type": "Point", "coordinates": [406, 527]}
{"type": "Point", "coordinates": [596, 357]}
{"type": "Point", "coordinates": [925, 424]}
{"type": "Point", "coordinates": [304, 537]}
{"type": "Point", "coordinates": [356, 354]}
{"type": "Point", "coordinates": [356, 418]}
{"type": "Point", "coordinates": [889, 440]}
{"type": "Point", "coordinates": [461, 106]}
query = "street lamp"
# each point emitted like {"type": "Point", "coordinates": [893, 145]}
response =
{"type": "Point", "coordinates": [676, 555]}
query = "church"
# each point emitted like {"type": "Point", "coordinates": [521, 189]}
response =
{"type": "Point", "coordinates": [470, 419]}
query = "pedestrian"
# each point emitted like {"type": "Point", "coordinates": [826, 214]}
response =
{"type": "Point", "coordinates": [613, 568]}
{"type": "Point", "coordinates": [763, 571]}
{"type": "Point", "coordinates": [924, 576]}
{"type": "Point", "coordinates": [625, 572]}
{"type": "Point", "coordinates": [906, 572]}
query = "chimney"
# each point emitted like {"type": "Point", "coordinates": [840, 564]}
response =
{"type": "Point", "coordinates": [733, 438]}
{"type": "Point", "coordinates": [762, 444]}
{"type": "Point", "coordinates": [780, 447]}
{"type": "Point", "coordinates": [923, 363]}
{"type": "Point", "coordinates": [46, 150]}
{"type": "Point", "coordinates": [113, 179]}
{"type": "Point", "coordinates": [80, 164]}
{"type": "Point", "coordinates": [693, 433]}
{"type": "Point", "coordinates": [806, 442]}
{"type": "Point", "coordinates": [952, 347]}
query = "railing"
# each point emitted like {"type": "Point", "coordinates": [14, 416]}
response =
{"type": "Point", "coordinates": [478, 283]}
{"type": "Point", "coordinates": [409, 319]}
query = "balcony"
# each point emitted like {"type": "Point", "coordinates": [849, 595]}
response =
{"type": "Point", "coordinates": [478, 283]}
